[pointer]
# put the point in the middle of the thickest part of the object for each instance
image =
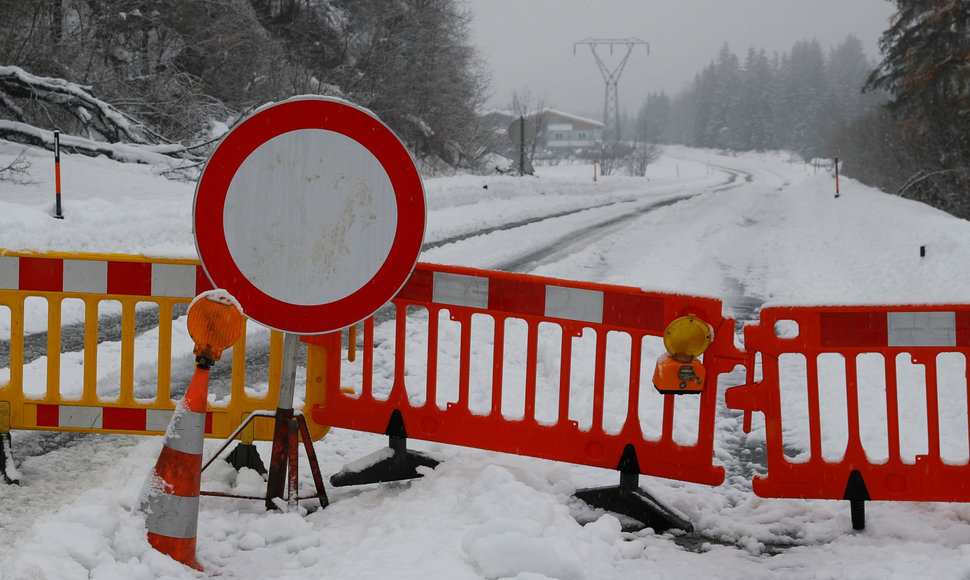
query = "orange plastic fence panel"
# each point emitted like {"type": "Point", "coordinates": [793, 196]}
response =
{"type": "Point", "coordinates": [900, 335]}
{"type": "Point", "coordinates": [572, 306]}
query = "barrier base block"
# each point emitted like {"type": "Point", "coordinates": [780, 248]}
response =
{"type": "Point", "coordinates": [394, 463]}
{"type": "Point", "coordinates": [246, 455]}
{"type": "Point", "coordinates": [857, 494]}
{"type": "Point", "coordinates": [7, 470]}
{"type": "Point", "coordinates": [634, 502]}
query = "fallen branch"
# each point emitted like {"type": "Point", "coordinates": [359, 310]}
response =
{"type": "Point", "coordinates": [128, 152]}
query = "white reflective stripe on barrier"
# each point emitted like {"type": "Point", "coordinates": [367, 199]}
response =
{"type": "Point", "coordinates": [173, 280]}
{"type": "Point", "coordinates": [79, 417]}
{"type": "Point", "coordinates": [932, 328]}
{"type": "Point", "coordinates": [9, 273]}
{"type": "Point", "coordinates": [460, 290]}
{"type": "Point", "coordinates": [157, 419]}
{"type": "Point", "coordinates": [574, 304]}
{"type": "Point", "coordinates": [86, 276]}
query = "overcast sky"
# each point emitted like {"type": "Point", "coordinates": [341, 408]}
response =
{"type": "Point", "coordinates": [530, 43]}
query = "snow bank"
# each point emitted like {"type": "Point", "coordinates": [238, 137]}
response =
{"type": "Point", "coordinates": [747, 227]}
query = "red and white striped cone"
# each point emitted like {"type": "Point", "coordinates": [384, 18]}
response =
{"type": "Point", "coordinates": [171, 495]}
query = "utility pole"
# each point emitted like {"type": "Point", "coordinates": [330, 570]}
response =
{"type": "Point", "coordinates": [611, 105]}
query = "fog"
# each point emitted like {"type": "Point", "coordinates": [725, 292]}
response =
{"type": "Point", "coordinates": [530, 44]}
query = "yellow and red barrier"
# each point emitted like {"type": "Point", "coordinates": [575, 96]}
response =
{"type": "Point", "coordinates": [131, 281]}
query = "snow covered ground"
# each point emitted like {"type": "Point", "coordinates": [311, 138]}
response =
{"type": "Point", "coordinates": [747, 229]}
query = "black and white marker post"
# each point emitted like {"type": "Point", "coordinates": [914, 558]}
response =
{"type": "Point", "coordinates": [57, 175]}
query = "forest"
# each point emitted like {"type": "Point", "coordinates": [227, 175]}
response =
{"type": "Point", "coordinates": [899, 123]}
{"type": "Point", "coordinates": [174, 74]}
{"type": "Point", "coordinates": [181, 69]}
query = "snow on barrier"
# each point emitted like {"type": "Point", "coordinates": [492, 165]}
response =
{"type": "Point", "coordinates": [558, 372]}
{"type": "Point", "coordinates": [861, 402]}
{"type": "Point", "coordinates": [61, 387]}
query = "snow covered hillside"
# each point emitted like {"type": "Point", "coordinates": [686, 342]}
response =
{"type": "Point", "coordinates": [751, 229]}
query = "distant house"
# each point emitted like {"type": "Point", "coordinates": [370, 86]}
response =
{"type": "Point", "coordinates": [556, 130]}
{"type": "Point", "coordinates": [562, 130]}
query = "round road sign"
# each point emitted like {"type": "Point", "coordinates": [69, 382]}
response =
{"type": "Point", "coordinates": [311, 214]}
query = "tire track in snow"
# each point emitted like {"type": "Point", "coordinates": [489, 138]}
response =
{"type": "Point", "coordinates": [575, 240]}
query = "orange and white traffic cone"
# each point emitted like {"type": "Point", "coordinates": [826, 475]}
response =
{"type": "Point", "coordinates": [171, 494]}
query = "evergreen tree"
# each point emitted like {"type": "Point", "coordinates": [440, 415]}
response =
{"type": "Point", "coordinates": [704, 122]}
{"type": "Point", "coordinates": [848, 69]}
{"type": "Point", "coordinates": [653, 120]}
{"type": "Point", "coordinates": [926, 61]}
{"type": "Point", "coordinates": [727, 90]}
{"type": "Point", "coordinates": [755, 114]}
{"type": "Point", "coordinates": [805, 86]}
{"type": "Point", "coordinates": [926, 71]}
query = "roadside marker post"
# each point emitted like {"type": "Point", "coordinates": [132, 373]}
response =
{"type": "Point", "coordinates": [57, 175]}
{"type": "Point", "coordinates": [311, 213]}
{"type": "Point", "coordinates": [836, 177]}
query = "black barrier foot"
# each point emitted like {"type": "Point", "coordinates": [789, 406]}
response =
{"type": "Point", "coordinates": [246, 455]}
{"type": "Point", "coordinates": [7, 469]}
{"type": "Point", "coordinates": [857, 494]}
{"type": "Point", "coordinates": [631, 500]}
{"type": "Point", "coordinates": [393, 464]}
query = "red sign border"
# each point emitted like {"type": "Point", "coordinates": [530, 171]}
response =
{"type": "Point", "coordinates": [273, 121]}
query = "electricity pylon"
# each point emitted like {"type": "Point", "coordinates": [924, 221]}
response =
{"type": "Point", "coordinates": [611, 105]}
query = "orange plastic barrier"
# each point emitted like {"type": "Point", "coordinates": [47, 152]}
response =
{"type": "Point", "coordinates": [572, 307]}
{"type": "Point", "coordinates": [897, 345]}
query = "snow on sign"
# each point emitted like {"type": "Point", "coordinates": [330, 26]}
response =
{"type": "Point", "coordinates": [311, 214]}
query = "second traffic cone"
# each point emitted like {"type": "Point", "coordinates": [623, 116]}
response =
{"type": "Point", "coordinates": [171, 494]}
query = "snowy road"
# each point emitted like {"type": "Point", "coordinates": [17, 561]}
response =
{"type": "Point", "coordinates": [745, 229]}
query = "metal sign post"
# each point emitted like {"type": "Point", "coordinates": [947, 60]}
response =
{"type": "Point", "coordinates": [286, 430]}
{"type": "Point", "coordinates": [523, 132]}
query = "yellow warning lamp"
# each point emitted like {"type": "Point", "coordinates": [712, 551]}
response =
{"type": "Point", "coordinates": [215, 322]}
{"type": "Point", "coordinates": [678, 370]}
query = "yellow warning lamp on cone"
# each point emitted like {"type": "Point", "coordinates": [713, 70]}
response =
{"type": "Point", "coordinates": [678, 370]}
{"type": "Point", "coordinates": [215, 323]}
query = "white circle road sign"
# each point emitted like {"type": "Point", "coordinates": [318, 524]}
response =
{"type": "Point", "coordinates": [311, 214]}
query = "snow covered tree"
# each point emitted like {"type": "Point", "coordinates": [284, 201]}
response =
{"type": "Point", "coordinates": [717, 90]}
{"type": "Point", "coordinates": [704, 133]}
{"type": "Point", "coordinates": [926, 71]}
{"type": "Point", "coordinates": [414, 67]}
{"type": "Point", "coordinates": [802, 92]}
{"type": "Point", "coordinates": [653, 120]}
{"type": "Point", "coordinates": [848, 69]}
{"type": "Point", "coordinates": [754, 123]}
{"type": "Point", "coordinates": [183, 68]}
{"type": "Point", "coordinates": [926, 61]}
